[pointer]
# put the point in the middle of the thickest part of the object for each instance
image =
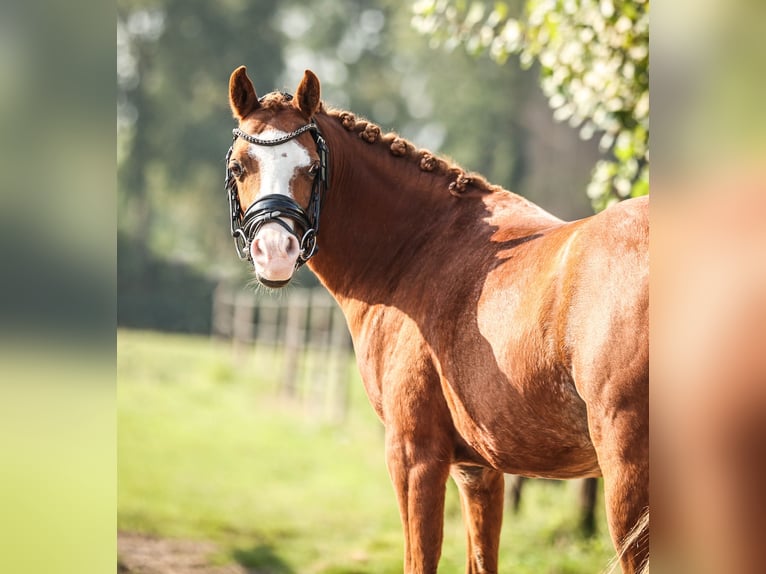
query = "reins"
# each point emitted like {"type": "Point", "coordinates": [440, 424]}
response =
{"type": "Point", "coordinates": [273, 208]}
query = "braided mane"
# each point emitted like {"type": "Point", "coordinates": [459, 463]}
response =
{"type": "Point", "coordinates": [461, 182]}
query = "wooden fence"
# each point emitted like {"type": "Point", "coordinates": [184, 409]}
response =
{"type": "Point", "coordinates": [309, 329]}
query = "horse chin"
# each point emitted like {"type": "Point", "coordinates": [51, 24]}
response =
{"type": "Point", "coordinates": [272, 284]}
{"type": "Point", "coordinates": [276, 275]}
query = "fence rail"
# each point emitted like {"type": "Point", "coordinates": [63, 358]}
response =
{"type": "Point", "coordinates": [309, 328]}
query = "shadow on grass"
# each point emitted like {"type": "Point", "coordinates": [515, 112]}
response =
{"type": "Point", "coordinates": [261, 559]}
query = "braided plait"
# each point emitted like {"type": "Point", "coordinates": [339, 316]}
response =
{"type": "Point", "coordinates": [461, 182]}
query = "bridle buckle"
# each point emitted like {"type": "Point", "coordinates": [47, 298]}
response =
{"type": "Point", "coordinates": [308, 245]}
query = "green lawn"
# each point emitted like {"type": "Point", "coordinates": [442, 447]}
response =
{"type": "Point", "coordinates": [208, 450]}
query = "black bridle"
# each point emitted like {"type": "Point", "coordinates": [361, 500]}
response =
{"type": "Point", "coordinates": [275, 207]}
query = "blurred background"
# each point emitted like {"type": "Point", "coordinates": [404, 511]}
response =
{"type": "Point", "coordinates": [245, 440]}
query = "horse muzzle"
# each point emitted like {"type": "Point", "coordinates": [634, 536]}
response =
{"type": "Point", "coordinates": [275, 252]}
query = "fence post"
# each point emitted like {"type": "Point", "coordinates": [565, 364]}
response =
{"type": "Point", "coordinates": [317, 355]}
{"type": "Point", "coordinates": [295, 323]}
{"type": "Point", "coordinates": [244, 306]}
{"type": "Point", "coordinates": [222, 311]}
{"type": "Point", "coordinates": [340, 341]}
{"type": "Point", "coordinates": [268, 322]}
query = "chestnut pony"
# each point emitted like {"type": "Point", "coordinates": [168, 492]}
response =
{"type": "Point", "coordinates": [491, 336]}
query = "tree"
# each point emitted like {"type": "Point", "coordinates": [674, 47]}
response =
{"type": "Point", "coordinates": [371, 61]}
{"type": "Point", "coordinates": [174, 61]}
{"type": "Point", "coordinates": [174, 58]}
{"type": "Point", "coordinates": [594, 63]}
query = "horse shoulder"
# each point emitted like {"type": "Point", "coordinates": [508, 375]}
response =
{"type": "Point", "coordinates": [393, 358]}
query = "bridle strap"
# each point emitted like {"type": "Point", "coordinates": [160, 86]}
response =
{"type": "Point", "coordinates": [274, 207]}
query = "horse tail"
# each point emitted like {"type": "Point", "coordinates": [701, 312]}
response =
{"type": "Point", "coordinates": [638, 535]}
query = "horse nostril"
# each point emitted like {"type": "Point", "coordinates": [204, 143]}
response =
{"type": "Point", "coordinates": [274, 246]}
{"type": "Point", "coordinates": [258, 252]}
{"type": "Point", "coordinates": [291, 246]}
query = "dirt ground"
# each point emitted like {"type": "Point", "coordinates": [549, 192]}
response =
{"type": "Point", "coordinates": [141, 554]}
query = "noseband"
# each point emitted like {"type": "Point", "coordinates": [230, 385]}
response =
{"type": "Point", "coordinates": [274, 207]}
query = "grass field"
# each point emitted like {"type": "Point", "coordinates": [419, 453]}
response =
{"type": "Point", "coordinates": [207, 450]}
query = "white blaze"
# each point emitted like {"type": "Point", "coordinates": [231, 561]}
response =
{"type": "Point", "coordinates": [277, 164]}
{"type": "Point", "coordinates": [274, 249]}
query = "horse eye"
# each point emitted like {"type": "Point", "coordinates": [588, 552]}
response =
{"type": "Point", "coordinates": [235, 169]}
{"type": "Point", "coordinates": [313, 169]}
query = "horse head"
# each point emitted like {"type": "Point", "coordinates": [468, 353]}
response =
{"type": "Point", "coordinates": [275, 176]}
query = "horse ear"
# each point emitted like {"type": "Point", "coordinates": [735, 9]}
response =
{"type": "Point", "coordinates": [307, 95]}
{"type": "Point", "coordinates": [242, 97]}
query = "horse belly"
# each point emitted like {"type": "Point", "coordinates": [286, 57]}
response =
{"type": "Point", "coordinates": [539, 432]}
{"type": "Point", "coordinates": [512, 400]}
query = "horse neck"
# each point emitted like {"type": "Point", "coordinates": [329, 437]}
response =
{"type": "Point", "coordinates": [373, 218]}
{"type": "Point", "coordinates": [383, 214]}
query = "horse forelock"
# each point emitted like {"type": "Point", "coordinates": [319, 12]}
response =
{"type": "Point", "coordinates": [279, 101]}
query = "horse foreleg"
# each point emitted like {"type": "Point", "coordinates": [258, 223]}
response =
{"type": "Point", "coordinates": [481, 496]}
{"type": "Point", "coordinates": [419, 473]}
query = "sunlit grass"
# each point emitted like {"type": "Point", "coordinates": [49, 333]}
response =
{"type": "Point", "coordinates": [208, 450]}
